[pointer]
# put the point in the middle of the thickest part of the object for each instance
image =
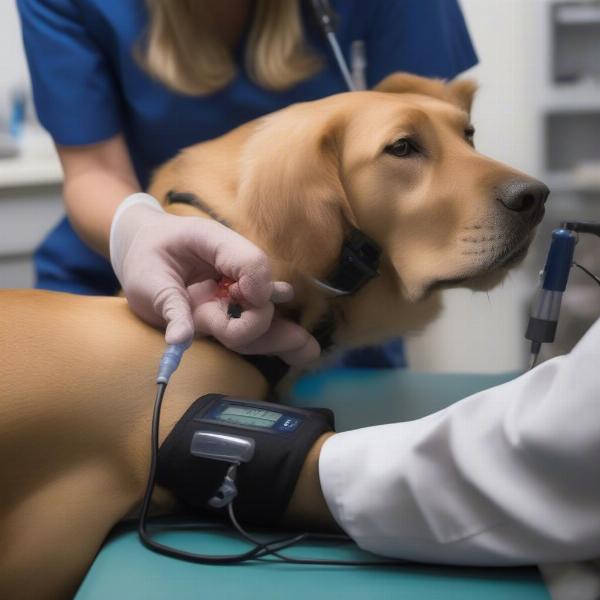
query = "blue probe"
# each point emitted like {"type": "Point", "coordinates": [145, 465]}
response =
{"type": "Point", "coordinates": [546, 307]}
{"type": "Point", "coordinates": [170, 361]}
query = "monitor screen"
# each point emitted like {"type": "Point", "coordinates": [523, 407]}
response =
{"type": "Point", "coordinates": [251, 417]}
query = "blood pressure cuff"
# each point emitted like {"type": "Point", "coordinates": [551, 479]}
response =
{"type": "Point", "coordinates": [265, 483]}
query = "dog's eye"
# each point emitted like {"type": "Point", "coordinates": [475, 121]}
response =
{"type": "Point", "coordinates": [401, 148]}
{"type": "Point", "coordinates": [469, 134]}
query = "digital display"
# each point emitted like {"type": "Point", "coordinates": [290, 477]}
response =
{"type": "Point", "coordinates": [251, 417]}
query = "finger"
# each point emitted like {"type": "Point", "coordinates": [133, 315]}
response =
{"type": "Point", "coordinates": [290, 341]}
{"type": "Point", "coordinates": [254, 285]}
{"type": "Point", "coordinates": [202, 291]}
{"type": "Point", "coordinates": [233, 256]}
{"type": "Point", "coordinates": [173, 304]}
{"type": "Point", "coordinates": [303, 355]}
{"type": "Point", "coordinates": [211, 318]}
{"type": "Point", "coordinates": [282, 292]}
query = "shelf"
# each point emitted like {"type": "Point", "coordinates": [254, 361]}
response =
{"type": "Point", "coordinates": [30, 171]}
{"type": "Point", "coordinates": [571, 143]}
{"type": "Point", "coordinates": [581, 13]}
{"type": "Point", "coordinates": [580, 97]}
{"type": "Point", "coordinates": [576, 33]}
{"type": "Point", "coordinates": [568, 182]}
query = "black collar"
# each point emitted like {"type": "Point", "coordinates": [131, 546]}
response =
{"type": "Point", "coordinates": [357, 264]}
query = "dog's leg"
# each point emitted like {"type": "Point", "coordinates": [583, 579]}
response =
{"type": "Point", "coordinates": [76, 396]}
{"type": "Point", "coordinates": [51, 536]}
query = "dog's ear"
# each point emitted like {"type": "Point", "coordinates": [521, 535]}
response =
{"type": "Point", "coordinates": [463, 92]}
{"type": "Point", "coordinates": [459, 92]}
{"type": "Point", "coordinates": [407, 83]}
{"type": "Point", "coordinates": [290, 189]}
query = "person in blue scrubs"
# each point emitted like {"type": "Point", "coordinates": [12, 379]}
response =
{"type": "Point", "coordinates": [107, 115]}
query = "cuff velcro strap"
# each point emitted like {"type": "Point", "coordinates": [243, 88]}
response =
{"type": "Point", "coordinates": [265, 484]}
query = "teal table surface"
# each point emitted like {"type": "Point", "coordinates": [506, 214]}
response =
{"type": "Point", "coordinates": [125, 569]}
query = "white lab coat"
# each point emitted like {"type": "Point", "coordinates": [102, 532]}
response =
{"type": "Point", "coordinates": [508, 476]}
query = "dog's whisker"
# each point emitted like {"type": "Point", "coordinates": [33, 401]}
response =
{"type": "Point", "coordinates": [475, 240]}
{"type": "Point", "coordinates": [478, 252]}
{"type": "Point", "coordinates": [477, 227]}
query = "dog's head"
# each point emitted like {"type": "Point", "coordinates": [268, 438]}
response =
{"type": "Point", "coordinates": [398, 163]}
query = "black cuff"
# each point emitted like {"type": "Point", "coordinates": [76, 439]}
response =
{"type": "Point", "coordinates": [265, 484]}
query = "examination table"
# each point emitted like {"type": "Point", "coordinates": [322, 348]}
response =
{"type": "Point", "coordinates": [125, 569]}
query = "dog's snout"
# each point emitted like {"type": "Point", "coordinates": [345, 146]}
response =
{"type": "Point", "coordinates": [523, 196]}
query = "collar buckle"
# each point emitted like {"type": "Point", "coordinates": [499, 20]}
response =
{"type": "Point", "coordinates": [357, 265]}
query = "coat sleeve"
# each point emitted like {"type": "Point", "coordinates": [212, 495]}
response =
{"type": "Point", "coordinates": [507, 476]}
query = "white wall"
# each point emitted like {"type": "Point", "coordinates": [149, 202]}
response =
{"type": "Point", "coordinates": [30, 191]}
{"type": "Point", "coordinates": [13, 68]}
{"type": "Point", "coordinates": [484, 332]}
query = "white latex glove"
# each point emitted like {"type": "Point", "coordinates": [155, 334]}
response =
{"type": "Point", "coordinates": [169, 266]}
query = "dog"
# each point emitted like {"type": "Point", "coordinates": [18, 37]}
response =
{"type": "Point", "coordinates": [396, 164]}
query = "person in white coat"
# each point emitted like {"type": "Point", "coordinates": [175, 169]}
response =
{"type": "Point", "coordinates": [507, 476]}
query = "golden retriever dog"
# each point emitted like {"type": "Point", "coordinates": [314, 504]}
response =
{"type": "Point", "coordinates": [77, 373]}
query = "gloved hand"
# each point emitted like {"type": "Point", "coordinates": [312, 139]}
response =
{"type": "Point", "coordinates": [170, 265]}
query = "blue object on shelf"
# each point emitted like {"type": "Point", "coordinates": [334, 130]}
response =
{"type": "Point", "coordinates": [17, 114]}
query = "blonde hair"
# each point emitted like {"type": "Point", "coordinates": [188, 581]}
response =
{"type": "Point", "coordinates": [183, 49]}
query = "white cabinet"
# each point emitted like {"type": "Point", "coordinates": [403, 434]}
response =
{"type": "Point", "coordinates": [30, 205]}
{"type": "Point", "coordinates": [571, 159]}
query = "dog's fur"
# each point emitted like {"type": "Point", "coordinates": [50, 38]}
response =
{"type": "Point", "coordinates": [77, 383]}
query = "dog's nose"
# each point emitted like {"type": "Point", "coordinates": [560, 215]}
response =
{"type": "Point", "coordinates": [523, 195]}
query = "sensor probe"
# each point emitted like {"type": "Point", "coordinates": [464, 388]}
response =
{"type": "Point", "coordinates": [546, 308]}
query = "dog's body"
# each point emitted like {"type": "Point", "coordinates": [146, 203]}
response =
{"type": "Point", "coordinates": [78, 388]}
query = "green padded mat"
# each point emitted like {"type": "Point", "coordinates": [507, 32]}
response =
{"type": "Point", "coordinates": [125, 569]}
{"type": "Point", "coordinates": [363, 397]}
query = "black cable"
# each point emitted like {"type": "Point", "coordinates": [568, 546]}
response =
{"type": "Point", "coordinates": [582, 227]}
{"type": "Point", "coordinates": [143, 533]}
{"type": "Point", "coordinates": [272, 546]}
{"type": "Point", "coordinates": [311, 561]}
{"type": "Point", "coordinates": [594, 277]}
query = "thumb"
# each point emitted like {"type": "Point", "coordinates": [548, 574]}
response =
{"type": "Point", "coordinates": [173, 303]}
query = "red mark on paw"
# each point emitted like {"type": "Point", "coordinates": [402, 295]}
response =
{"type": "Point", "coordinates": [223, 286]}
{"type": "Point", "coordinates": [234, 309]}
{"type": "Point", "coordinates": [224, 290]}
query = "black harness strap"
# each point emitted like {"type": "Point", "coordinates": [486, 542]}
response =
{"type": "Point", "coordinates": [193, 200]}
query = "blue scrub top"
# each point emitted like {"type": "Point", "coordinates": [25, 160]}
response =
{"type": "Point", "coordinates": [88, 87]}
